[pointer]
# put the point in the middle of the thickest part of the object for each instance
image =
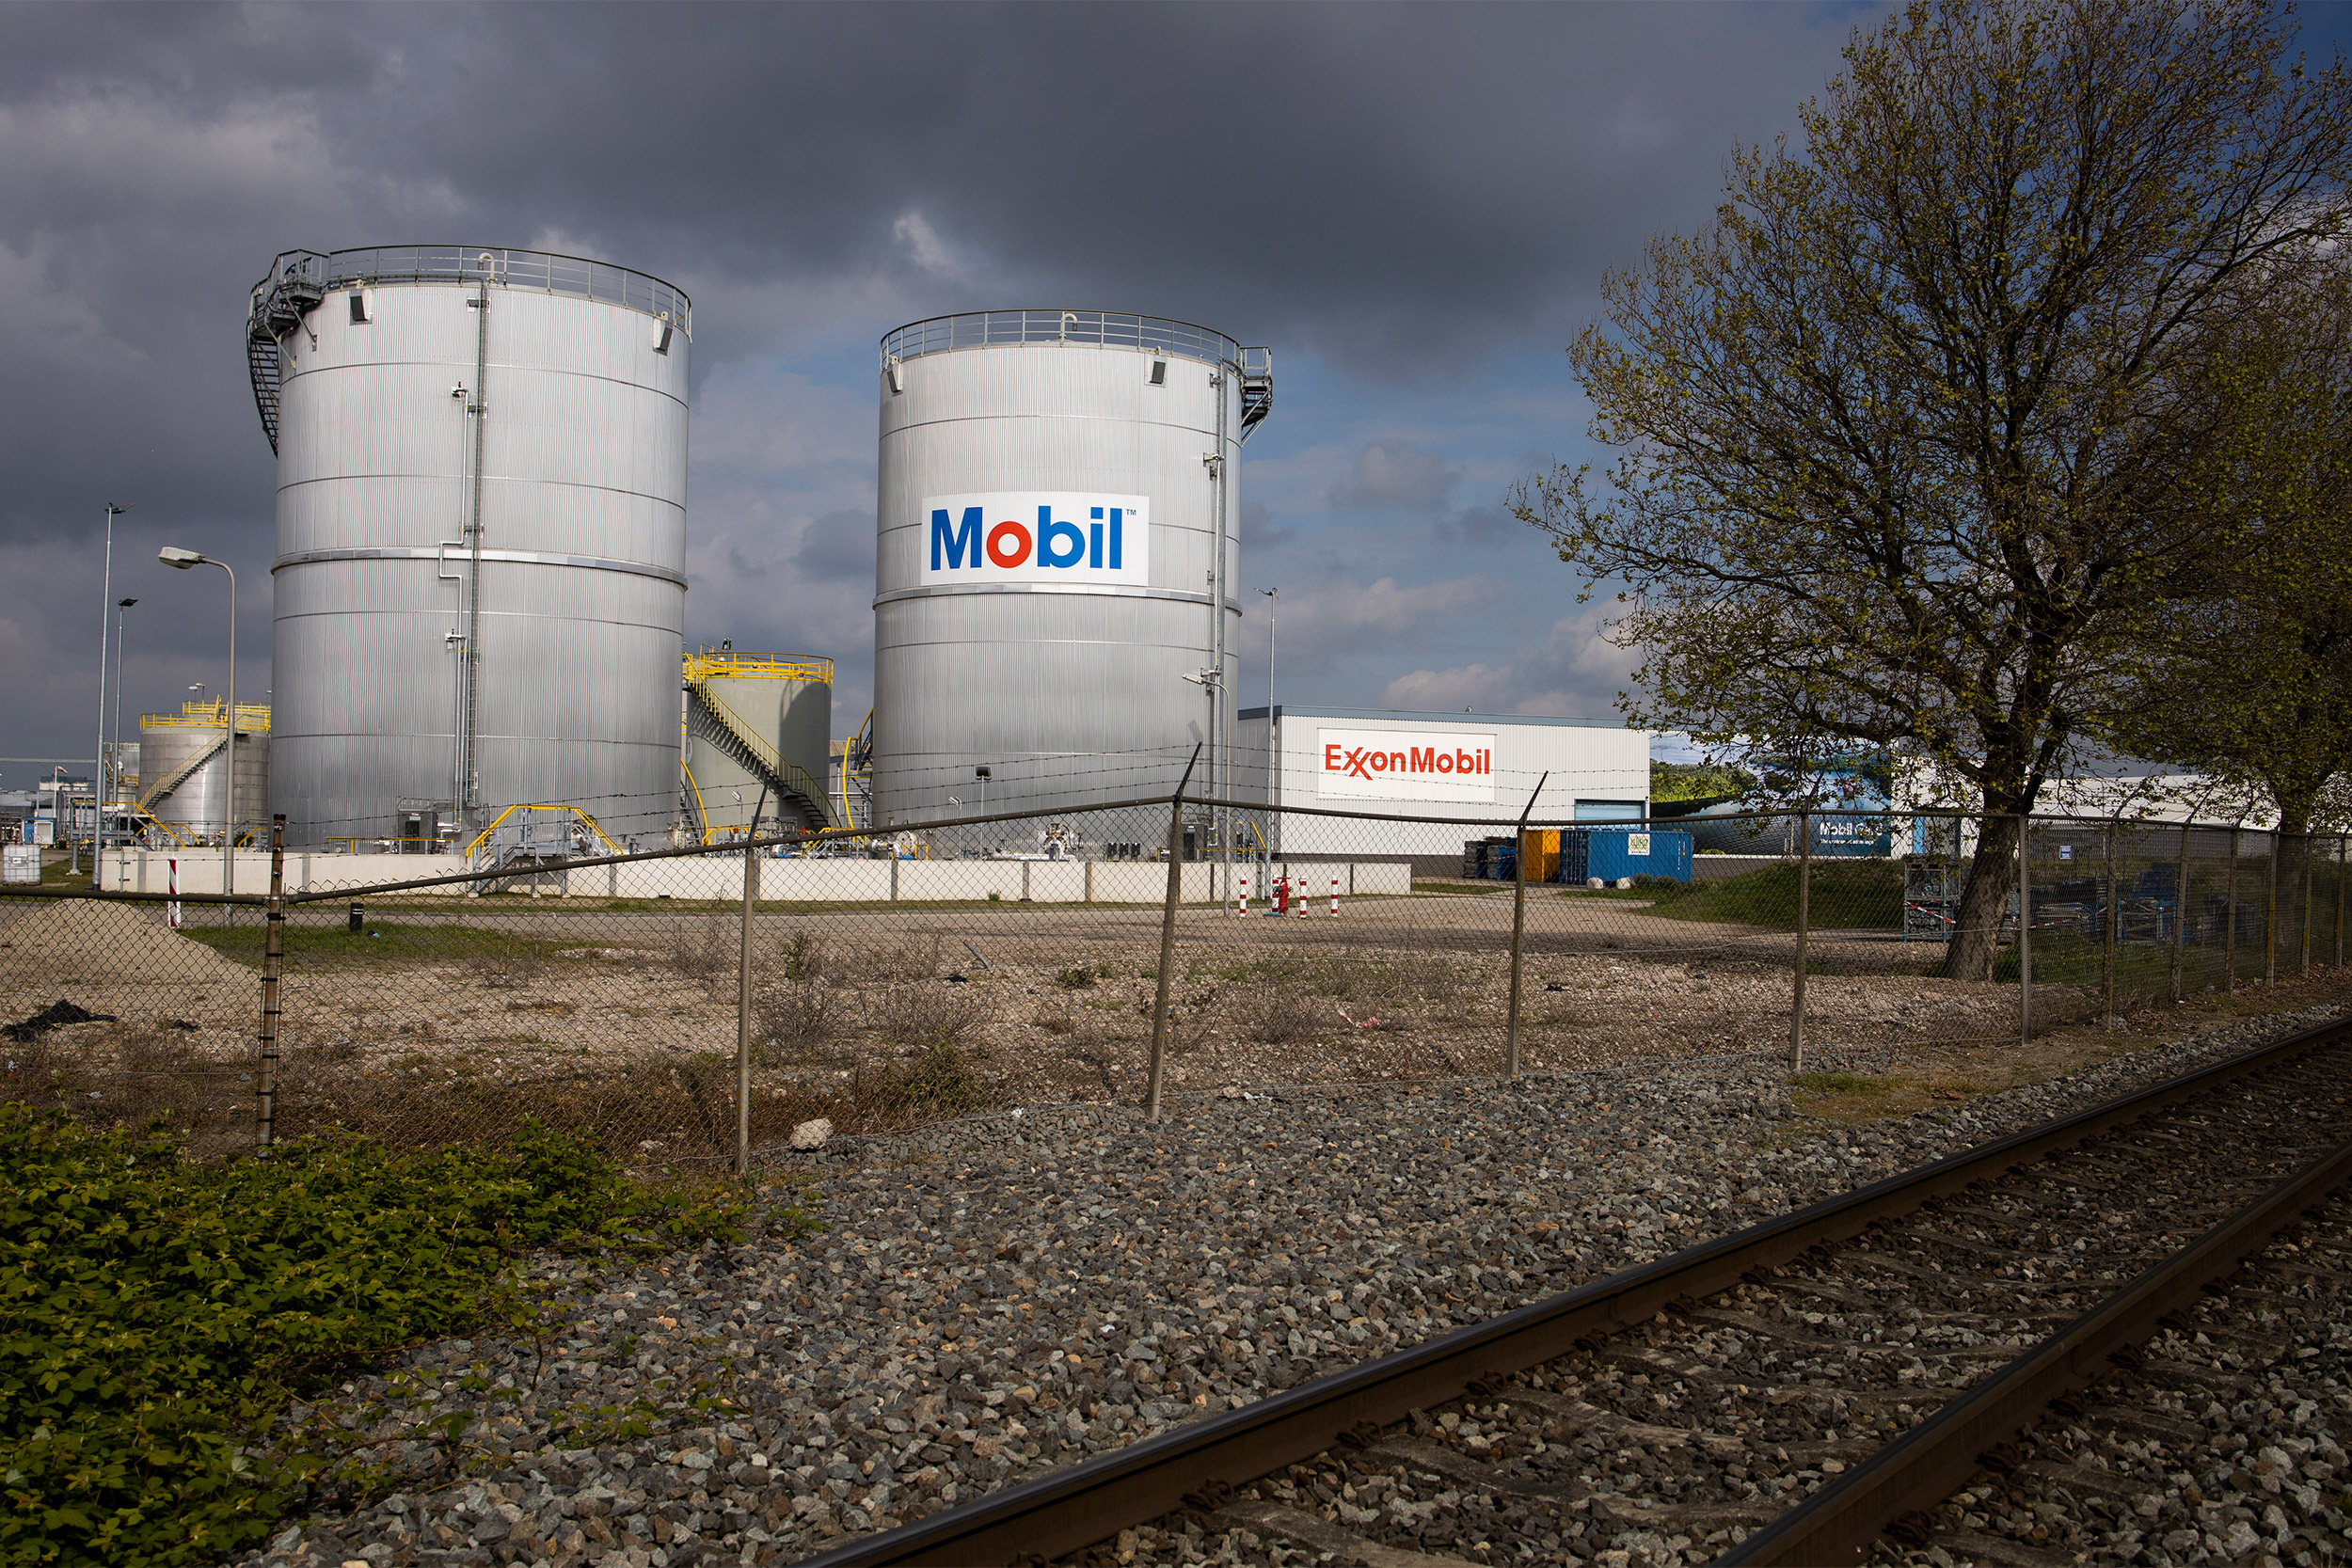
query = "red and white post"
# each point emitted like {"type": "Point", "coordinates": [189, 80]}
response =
{"type": "Point", "coordinates": [1241, 894]}
{"type": "Point", "coordinates": [1335, 898]}
{"type": "Point", "coordinates": [171, 909]}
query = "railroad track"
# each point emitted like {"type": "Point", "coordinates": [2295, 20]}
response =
{"type": "Point", "coordinates": [1789, 1393]}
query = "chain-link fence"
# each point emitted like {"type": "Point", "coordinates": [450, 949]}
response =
{"type": "Point", "coordinates": [704, 1004]}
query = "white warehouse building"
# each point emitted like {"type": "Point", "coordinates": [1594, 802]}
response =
{"type": "Point", "coordinates": [1465, 768]}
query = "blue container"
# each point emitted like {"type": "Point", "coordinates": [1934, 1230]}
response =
{"type": "Point", "coordinates": [1612, 853]}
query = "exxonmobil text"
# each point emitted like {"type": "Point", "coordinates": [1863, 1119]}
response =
{"type": "Point", "coordinates": [1400, 765]}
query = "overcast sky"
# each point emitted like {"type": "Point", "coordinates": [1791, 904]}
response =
{"type": "Point", "coordinates": [1411, 205]}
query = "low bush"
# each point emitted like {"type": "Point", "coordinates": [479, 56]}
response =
{"type": "Point", "coordinates": [158, 1316]}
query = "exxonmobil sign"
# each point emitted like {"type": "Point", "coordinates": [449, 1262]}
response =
{"type": "Point", "coordinates": [1404, 765]}
{"type": "Point", "coordinates": [1070, 537]}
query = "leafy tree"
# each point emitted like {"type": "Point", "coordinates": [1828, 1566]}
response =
{"type": "Point", "coordinates": [1901, 432]}
{"type": "Point", "coordinates": [2250, 681]}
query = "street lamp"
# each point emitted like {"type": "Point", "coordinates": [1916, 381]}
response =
{"type": "Point", "coordinates": [180, 560]}
{"type": "Point", "coordinates": [120, 605]}
{"type": "Point", "coordinates": [98, 769]}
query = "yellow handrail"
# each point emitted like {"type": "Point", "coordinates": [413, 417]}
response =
{"type": "Point", "coordinates": [702, 813]}
{"type": "Point", "coordinates": [252, 718]}
{"type": "Point", "coordinates": [710, 663]}
{"type": "Point", "coordinates": [594, 826]}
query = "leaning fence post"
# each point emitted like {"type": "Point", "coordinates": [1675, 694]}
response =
{"type": "Point", "coordinates": [1518, 927]}
{"type": "Point", "coordinates": [1168, 934]}
{"type": "Point", "coordinates": [1804, 934]}
{"type": "Point", "coordinates": [273, 949]}
{"type": "Point", "coordinates": [2107, 938]}
{"type": "Point", "coordinates": [2179, 912]}
{"type": "Point", "coordinates": [744, 1015]}
{"type": "Point", "coordinates": [2025, 928]}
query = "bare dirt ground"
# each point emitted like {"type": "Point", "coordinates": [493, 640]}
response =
{"type": "Point", "coordinates": [440, 1023]}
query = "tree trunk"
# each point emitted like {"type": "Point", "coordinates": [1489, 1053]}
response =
{"type": "Point", "coordinates": [1983, 900]}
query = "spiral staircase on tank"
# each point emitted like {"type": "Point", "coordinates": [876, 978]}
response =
{"type": "Point", "coordinates": [797, 793]}
{"type": "Point", "coordinates": [295, 286]}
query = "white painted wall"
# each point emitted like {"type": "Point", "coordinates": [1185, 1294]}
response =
{"type": "Point", "coordinates": [1589, 761]}
{"type": "Point", "coordinates": [780, 881]}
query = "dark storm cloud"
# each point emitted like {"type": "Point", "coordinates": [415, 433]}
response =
{"type": "Point", "coordinates": [1396, 193]}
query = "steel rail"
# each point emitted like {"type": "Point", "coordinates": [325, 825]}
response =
{"type": "Point", "coordinates": [1091, 1501]}
{"type": "Point", "coordinates": [1922, 1467]}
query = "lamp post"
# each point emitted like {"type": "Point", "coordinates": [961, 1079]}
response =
{"type": "Point", "coordinates": [120, 605]}
{"type": "Point", "coordinates": [98, 769]}
{"type": "Point", "coordinates": [180, 560]}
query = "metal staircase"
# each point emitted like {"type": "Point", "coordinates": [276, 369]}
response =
{"type": "Point", "coordinates": [1257, 387]}
{"type": "Point", "coordinates": [178, 776]}
{"type": "Point", "coordinates": [295, 285]}
{"type": "Point", "coordinates": [796, 792]}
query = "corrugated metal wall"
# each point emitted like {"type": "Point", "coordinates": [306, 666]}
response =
{"type": "Point", "coordinates": [1067, 692]}
{"type": "Point", "coordinates": [583, 581]}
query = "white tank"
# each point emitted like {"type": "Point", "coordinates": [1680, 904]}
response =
{"type": "Point", "coordinates": [184, 782]}
{"type": "Point", "coordinates": [479, 577]}
{"type": "Point", "coordinates": [1051, 602]}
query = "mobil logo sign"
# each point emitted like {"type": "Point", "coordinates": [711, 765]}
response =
{"type": "Point", "coordinates": [1054, 536]}
{"type": "Point", "coordinates": [1404, 765]}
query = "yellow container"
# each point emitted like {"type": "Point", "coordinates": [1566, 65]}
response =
{"type": "Point", "coordinates": [1542, 853]}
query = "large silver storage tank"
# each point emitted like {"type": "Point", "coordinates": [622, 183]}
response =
{"type": "Point", "coordinates": [183, 781]}
{"type": "Point", "coordinates": [1051, 600]}
{"type": "Point", "coordinates": [756, 725]}
{"type": "Point", "coordinates": [479, 577]}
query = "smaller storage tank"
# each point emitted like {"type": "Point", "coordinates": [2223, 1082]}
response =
{"type": "Point", "coordinates": [756, 723]}
{"type": "Point", "coordinates": [183, 769]}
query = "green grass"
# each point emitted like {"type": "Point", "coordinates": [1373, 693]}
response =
{"type": "Point", "coordinates": [380, 941]}
{"type": "Point", "coordinates": [1846, 895]}
{"type": "Point", "coordinates": [159, 1316]}
{"type": "Point", "coordinates": [1837, 1083]}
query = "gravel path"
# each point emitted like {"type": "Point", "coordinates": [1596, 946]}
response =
{"type": "Point", "coordinates": [989, 1300]}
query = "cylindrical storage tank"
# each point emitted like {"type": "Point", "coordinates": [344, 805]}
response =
{"type": "Point", "coordinates": [479, 577]}
{"type": "Point", "coordinates": [185, 777]}
{"type": "Point", "coordinates": [1049, 592]}
{"type": "Point", "coordinates": [757, 723]}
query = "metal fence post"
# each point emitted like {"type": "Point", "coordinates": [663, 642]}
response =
{"type": "Point", "coordinates": [2270, 913]}
{"type": "Point", "coordinates": [1167, 936]}
{"type": "Point", "coordinates": [743, 1013]}
{"type": "Point", "coordinates": [2025, 928]}
{"type": "Point", "coordinates": [2340, 900]}
{"type": "Point", "coordinates": [1805, 933]}
{"type": "Point", "coordinates": [2229, 913]}
{"type": "Point", "coordinates": [2107, 938]}
{"type": "Point", "coordinates": [2309, 870]}
{"type": "Point", "coordinates": [1518, 929]}
{"type": "Point", "coordinates": [273, 951]}
{"type": "Point", "coordinates": [2179, 912]}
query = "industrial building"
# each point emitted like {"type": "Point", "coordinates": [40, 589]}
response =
{"type": "Point", "coordinates": [1056, 564]}
{"type": "Point", "coordinates": [1455, 767]}
{"type": "Point", "coordinates": [480, 572]}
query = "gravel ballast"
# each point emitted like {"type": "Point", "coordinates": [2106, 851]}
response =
{"type": "Point", "coordinates": [993, 1299]}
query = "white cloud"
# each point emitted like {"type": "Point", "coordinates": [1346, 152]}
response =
{"type": "Point", "coordinates": [922, 242]}
{"type": "Point", "coordinates": [1576, 673]}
